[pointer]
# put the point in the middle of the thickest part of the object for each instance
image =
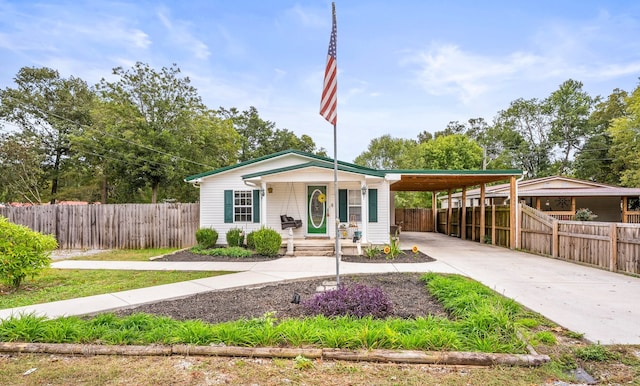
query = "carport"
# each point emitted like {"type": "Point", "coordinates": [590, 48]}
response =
{"type": "Point", "coordinates": [436, 181]}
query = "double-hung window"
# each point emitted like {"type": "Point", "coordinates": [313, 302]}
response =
{"type": "Point", "coordinates": [243, 206]}
{"type": "Point", "coordinates": [355, 206]}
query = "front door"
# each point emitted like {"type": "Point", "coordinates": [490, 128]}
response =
{"type": "Point", "coordinates": [317, 210]}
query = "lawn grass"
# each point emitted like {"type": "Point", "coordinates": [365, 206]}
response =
{"type": "Point", "coordinates": [58, 284]}
{"type": "Point", "coordinates": [126, 254]}
{"type": "Point", "coordinates": [485, 322]}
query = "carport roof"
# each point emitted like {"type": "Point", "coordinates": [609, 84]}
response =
{"type": "Point", "coordinates": [439, 180]}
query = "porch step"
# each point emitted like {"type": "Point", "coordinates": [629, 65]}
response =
{"type": "Point", "coordinates": [313, 250]}
{"type": "Point", "coordinates": [306, 248]}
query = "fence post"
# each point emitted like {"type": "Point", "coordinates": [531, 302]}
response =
{"type": "Point", "coordinates": [554, 238]}
{"type": "Point", "coordinates": [613, 229]}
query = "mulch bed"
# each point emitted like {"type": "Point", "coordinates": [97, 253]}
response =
{"type": "Point", "coordinates": [406, 291]}
{"type": "Point", "coordinates": [407, 257]}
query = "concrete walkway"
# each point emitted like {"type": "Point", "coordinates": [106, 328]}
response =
{"type": "Point", "coordinates": [598, 303]}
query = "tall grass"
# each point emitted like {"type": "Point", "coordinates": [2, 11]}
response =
{"type": "Point", "coordinates": [484, 321]}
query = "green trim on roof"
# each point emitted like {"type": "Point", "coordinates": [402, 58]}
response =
{"type": "Point", "coordinates": [513, 172]}
{"type": "Point", "coordinates": [275, 155]}
{"type": "Point", "coordinates": [314, 164]}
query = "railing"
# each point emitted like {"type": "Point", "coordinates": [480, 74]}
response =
{"type": "Point", "coordinates": [632, 217]}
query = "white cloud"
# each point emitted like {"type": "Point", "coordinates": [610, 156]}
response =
{"type": "Point", "coordinates": [181, 35]}
{"type": "Point", "coordinates": [447, 70]}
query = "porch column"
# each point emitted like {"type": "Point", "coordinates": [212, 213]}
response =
{"type": "Point", "coordinates": [263, 207]}
{"type": "Point", "coordinates": [573, 207]}
{"type": "Point", "coordinates": [392, 211]}
{"type": "Point", "coordinates": [624, 209]}
{"type": "Point", "coordinates": [513, 206]}
{"type": "Point", "coordinates": [482, 214]}
{"type": "Point", "coordinates": [364, 213]}
{"type": "Point", "coordinates": [463, 215]}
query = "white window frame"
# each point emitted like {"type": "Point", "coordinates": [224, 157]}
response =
{"type": "Point", "coordinates": [242, 206]}
{"type": "Point", "coordinates": [356, 194]}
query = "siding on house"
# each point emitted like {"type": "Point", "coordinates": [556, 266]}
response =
{"type": "Point", "coordinates": [212, 196]}
{"type": "Point", "coordinates": [288, 198]}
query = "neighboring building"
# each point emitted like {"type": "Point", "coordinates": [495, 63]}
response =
{"type": "Point", "coordinates": [267, 190]}
{"type": "Point", "coordinates": [560, 197]}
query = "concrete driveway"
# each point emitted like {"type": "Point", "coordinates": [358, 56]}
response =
{"type": "Point", "coordinates": [605, 306]}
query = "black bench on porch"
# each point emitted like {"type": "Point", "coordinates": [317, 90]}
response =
{"type": "Point", "coordinates": [289, 222]}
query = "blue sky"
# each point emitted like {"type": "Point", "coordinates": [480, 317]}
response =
{"type": "Point", "coordinates": [404, 66]}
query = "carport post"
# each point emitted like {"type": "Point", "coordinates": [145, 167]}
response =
{"type": "Point", "coordinates": [463, 217]}
{"type": "Point", "coordinates": [449, 213]}
{"type": "Point", "coordinates": [513, 206]}
{"type": "Point", "coordinates": [482, 214]}
{"type": "Point", "coordinates": [434, 210]}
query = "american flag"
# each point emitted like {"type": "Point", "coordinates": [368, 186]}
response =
{"type": "Point", "coordinates": [329, 102]}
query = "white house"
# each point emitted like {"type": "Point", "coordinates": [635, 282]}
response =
{"type": "Point", "coordinates": [266, 190]}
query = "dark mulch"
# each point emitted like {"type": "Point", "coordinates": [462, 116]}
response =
{"type": "Point", "coordinates": [186, 255]}
{"type": "Point", "coordinates": [405, 290]}
{"type": "Point", "coordinates": [407, 257]}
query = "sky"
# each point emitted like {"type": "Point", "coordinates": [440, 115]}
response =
{"type": "Point", "coordinates": [403, 66]}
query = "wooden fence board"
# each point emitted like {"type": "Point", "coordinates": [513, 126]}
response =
{"type": "Point", "coordinates": [415, 219]}
{"type": "Point", "coordinates": [125, 226]}
{"type": "Point", "coordinates": [613, 246]}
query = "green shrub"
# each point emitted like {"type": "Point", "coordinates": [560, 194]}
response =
{"type": "Point", "coordinates": [267, 241]}
{"type": "Point", "coordinates": [23, 252]}
{"type": "Point", "coordinates": [206, 237]}
{"type": "Point", "coordinates": [584, 214]}
{"type": "Point", "coordinates": [229, 251]}
{"type": "Point", "coordinates": [250, 243]}
{"type": "Point", "coordinates": [235, 237]}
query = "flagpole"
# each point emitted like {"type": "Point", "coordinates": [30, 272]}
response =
{"type": "Point", "coordinates": [328, 109]}
{"type": "Point", "coordinates": [335, 194]}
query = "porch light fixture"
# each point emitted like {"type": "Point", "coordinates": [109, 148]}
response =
{"type": "Point", "coordinates": [269, 189]}
{"type": "Point", "coordinates": [364, 190]}
{"type": "Point", "coordinates": [262, 192]}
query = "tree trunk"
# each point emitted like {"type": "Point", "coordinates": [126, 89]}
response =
{"type": "Point", "coordinates": [104, 190]}
{"type": "Point", "coordinates": [154, 192]}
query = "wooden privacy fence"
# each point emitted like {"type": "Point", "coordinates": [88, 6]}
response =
{"type": "Point", "coordinates": [415, 220]}
{"type": "Point", "coordinates": [125, 226]}
{"type": "Point", "coordinates": [496, 228]}
{"type": "Point", "coordinates": [613, 246]}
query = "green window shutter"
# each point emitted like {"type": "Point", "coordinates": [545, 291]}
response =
{"type": "Point", "coordinates": [256, 206]}
{"type": "Point", "coordinates": [228, 206]}
{"type": "Point", "coordinates": [373, 205]}
{"type": "Point", "coordinates": [342, 205]}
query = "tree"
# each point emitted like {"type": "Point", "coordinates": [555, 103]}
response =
{"type": "Point", "coordinates": [21, 175]}
{"type": "Point", "coordinates": [625, 134]}
{"type": "Point", "coordinates": [569, 108]}
{"type": "Point", "coordinates": [593, 161]}
{"type": "Point", "coordinates": [143, 125]}
{"type": "Point", "coordinates": [48, 108]}
{"type": "Point", "coordinates": [455, 151]}
{"type": "Point", "coordinates": [523, 132]}
{"type": "Point", "coordinates": [259, 137]}
{"type": "Point", "coordinates": [386, 152]}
